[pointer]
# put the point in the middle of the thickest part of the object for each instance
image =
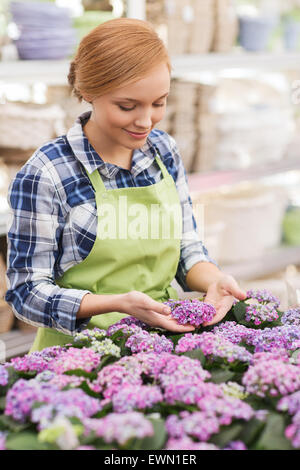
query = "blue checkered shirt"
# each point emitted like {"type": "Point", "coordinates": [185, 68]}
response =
{"type": "Point", "coordinates": [53, 222]}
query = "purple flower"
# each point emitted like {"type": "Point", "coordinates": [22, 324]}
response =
{"type": "Point", "coordinates": [86, 448]}
{"type": "Point", "coordinates": [131, 397]}
{"type": "Point", "coordinates": [280, 337]}
{"type": "Point", "coordinates": [113, 378]}
{"type": "Point", "coordinates": [198, 425]}
{"type": "Point", "coordinates": [290, 403]}
{"type": "Point", "coordinates": [234, 332]}
{"type": "Point", "coordinates": [186, 443]}
{"type": "Point", "coordinates": [272, 378]}
{"type": "Point", "coordinates": [191, 311]}
{"type": "Point", "coordinates": [128, 325]}
{"type": "Point", "coordinates": [213, 346]}
{"type": "Point", "coordinates": [263, 296]}
{"type": "Point", "coordinates": [291, 317]}
{"type": "Point", "coordinates": [143, 341]}
{"type": "Point", "coordinates": [3, 376]}
{"type": "Point", "coordinates": [260, 313]}
{"type": "Point", "coordinates": [32, 362]}
{"type": "Point", "coordinates": [120, 427]}
{"type": "Point", "coordinates": [24, 393]}
{"type": "Point", "coordinates": [190, 393]}
{"type": "Point", "coordinates": [3, 440]}
{"type": "Point", "coordinates": [74, 358]}
{"type": "Point", "coordinates": [21, 397]}
{"type": "Point", "coordinates": [235, 445]}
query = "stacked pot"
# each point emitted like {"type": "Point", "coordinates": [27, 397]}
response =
{"type": "Point", "coordinates": [45, 30]}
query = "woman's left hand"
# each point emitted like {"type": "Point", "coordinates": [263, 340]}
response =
{"type": "Point", "coordinates": [221, 295]}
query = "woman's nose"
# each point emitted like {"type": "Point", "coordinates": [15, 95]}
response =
{"type": "Point", "coordinates": [144, 121]}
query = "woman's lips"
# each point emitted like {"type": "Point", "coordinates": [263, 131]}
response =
{"type": "Point", "coordinates": [136, 135]}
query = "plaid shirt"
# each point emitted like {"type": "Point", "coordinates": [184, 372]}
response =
{"type": "Point", "coordinates": [54, 221]}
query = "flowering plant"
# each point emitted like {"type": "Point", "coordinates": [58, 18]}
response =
{"type": "Point", "coordinates": [233, 386]}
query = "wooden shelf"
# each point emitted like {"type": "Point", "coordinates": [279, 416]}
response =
{"type": "Point", "coordinates": [54, 72]}
{"type": "Point", "coordinates": [203, 182]}
{"type": "Point", "coordinates": [17, 342]}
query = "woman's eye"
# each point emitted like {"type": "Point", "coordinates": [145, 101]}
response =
{"type": "Point", "coordinates": [125, 109]}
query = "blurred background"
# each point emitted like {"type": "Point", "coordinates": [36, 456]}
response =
{"type": "Point", "coordinates": [234, 110]}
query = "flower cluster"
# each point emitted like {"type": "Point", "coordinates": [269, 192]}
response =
{"type": "Point", "coordinates": [291, 317]}
{"type": "Point", "coordinates": [263, 296]}
{"type": "Point", "coordinates": [260, 313]}
{"type": "Point", "coordinates": [186, 443]}
{"type": "Point", "coordinates": [215, 412]}
{"type": "Point", "coordinates": [280, 337]}
{"type": "Point", "coordinates": [234, 332]}
{"type": "Point", "coordinates": [3, 376]}
{"type": "Point", "coordinates": [191, 311]}
{"type": "Point", "coordinates": [112, 389]}
{"type": "Point", "coordinates": [24, 393]}
{"type": "Point", "coordinates": [291, 404]}
{"type": "Point", "coordinates": [120, 427]}
{"type": "Point", "coordinates": [136, 397]}
{"type": "Point", "coordinates": [142, 341]}
{"type": "Point", "coordinates": [74, 358]}
{"type": "Point", "coordinates": [213, 346]}
{"type": "Point", "coordinates": [272, 377]}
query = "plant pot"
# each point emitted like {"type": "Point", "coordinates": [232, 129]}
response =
{"type": "Point", "coordinates": [291, 34]}
{"type": "Point", "coordinates": [255, 33]}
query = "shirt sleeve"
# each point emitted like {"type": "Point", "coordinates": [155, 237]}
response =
{"type": "Point", "coordinates": [33, 249]}
{"type": "Point", "coordinates": [192, 249]}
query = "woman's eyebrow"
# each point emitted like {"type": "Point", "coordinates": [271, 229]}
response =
{"type": "Point", "coordinates": [137, 101]}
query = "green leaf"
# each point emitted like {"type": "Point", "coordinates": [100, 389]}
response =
{"type": "Point", "coordinates": [174, 338]}
{"type": "Point", "coordinates": [227, 434]}
{"type": "Point", "coordinates": [251, 431]}
{"type": "Point", "coordinates": [81, 373]}
{"type": "Point", "coordinates": [2, 403]}
{"type": "Point", "coordinates": [239, 311]}
{"type": "Point", "coordinates": [85, 387]}
{"type": "Point", "coordinates": [273, 437]}
{"type": "Point", "coordinates": [7, 423]}
{"type": "Point", "coordinates": [221, 375]}
{"type": "Point", "coordinates": [196, 354]}
{"type": "Point", "coordinates": [295, 354]}
{"type": "Point", "coordinates": [152, 442]}
{"type": "Point", "coordinates": [26, 441]}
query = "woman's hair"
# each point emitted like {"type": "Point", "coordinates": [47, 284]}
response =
{"type": "Point", "coordinates": [114, 54]}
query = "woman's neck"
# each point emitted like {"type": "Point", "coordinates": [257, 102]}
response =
{"type": "Point", "coordinates": [117, 156]}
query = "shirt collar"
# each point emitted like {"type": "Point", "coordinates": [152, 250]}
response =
{"type": "Point", "coordinates": [91, 160]}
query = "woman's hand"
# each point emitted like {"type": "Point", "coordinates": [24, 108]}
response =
{"type": "Point", "coordinates": [221, 295]}
{"type": "Point", "coordinates": [155, 314]}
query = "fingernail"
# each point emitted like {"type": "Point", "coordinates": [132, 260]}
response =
{"type": "Point", "coordinates": [167, 310]}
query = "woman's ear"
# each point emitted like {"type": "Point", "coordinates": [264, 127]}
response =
{"type": "Point", "coordinates": [87, 98]}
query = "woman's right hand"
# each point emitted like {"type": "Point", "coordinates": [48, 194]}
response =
{"type": "Point", "coordinates": [156, 314]}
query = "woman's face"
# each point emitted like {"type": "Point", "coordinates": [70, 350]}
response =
{"type": "Point", "coordinates": [125, 117]}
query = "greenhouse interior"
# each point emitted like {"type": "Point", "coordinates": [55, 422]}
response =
{"type": "Point", "coordinates": [222, 370]}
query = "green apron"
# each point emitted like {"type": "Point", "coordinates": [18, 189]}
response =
{"type": "Point", "coordinates": [145, 261]}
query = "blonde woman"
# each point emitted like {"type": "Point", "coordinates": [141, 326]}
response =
{"type": "Point", "coordinates": [102, 217]}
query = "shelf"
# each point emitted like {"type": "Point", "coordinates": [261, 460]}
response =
{"type": "Point", "coordinates": [54, 72]}
{"type": "Point", "coordinates": [183, 64]}
{"type": "Point", "coordinates": [17, 342]}
{"type": "Point", "coordinates": [204, 182]}
{"type": "Point", "coordinates": [272, 261]}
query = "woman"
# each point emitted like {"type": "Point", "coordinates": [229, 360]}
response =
{"type": "Point", "coordinates": [86, 246]}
